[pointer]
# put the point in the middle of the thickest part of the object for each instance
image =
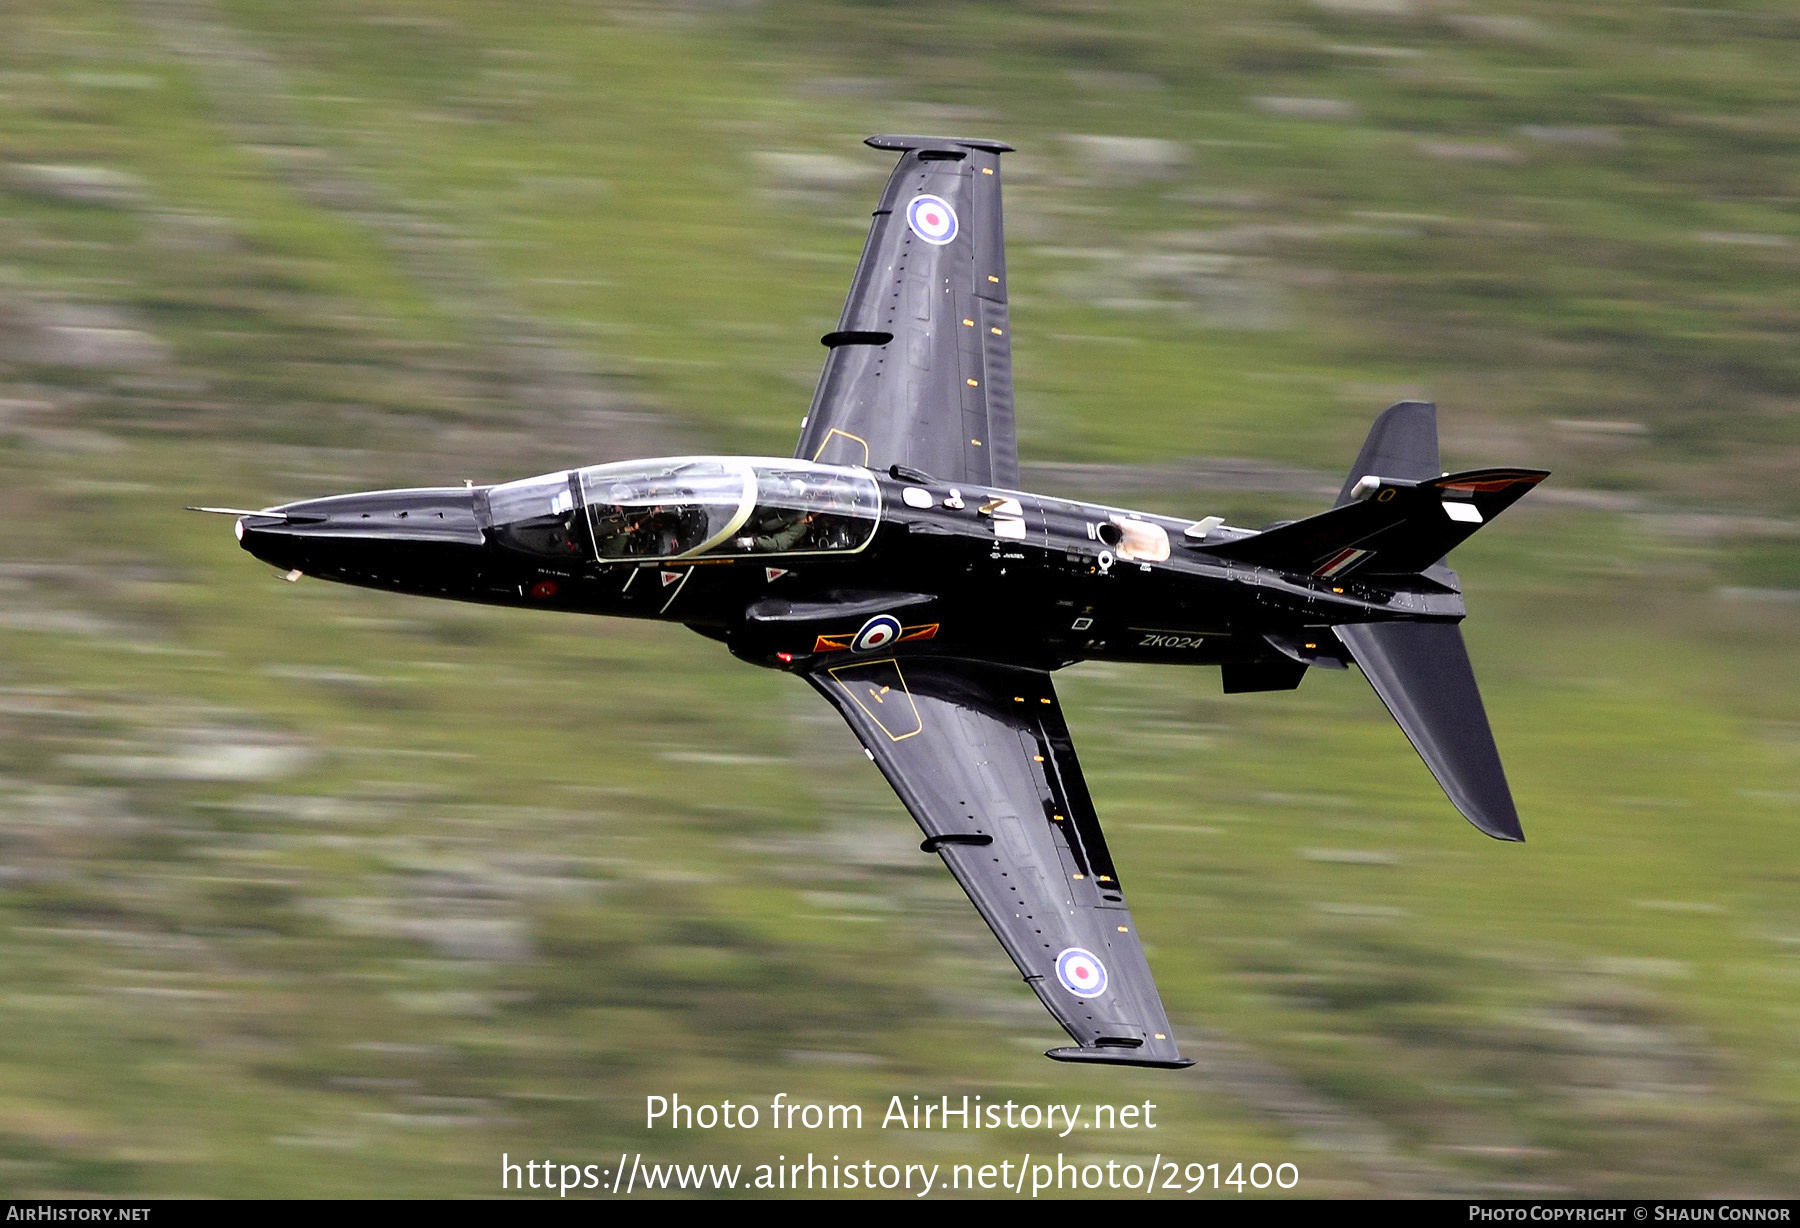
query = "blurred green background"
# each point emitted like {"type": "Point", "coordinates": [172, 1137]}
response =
{"type": "Point", "coordinates": [308, 890]}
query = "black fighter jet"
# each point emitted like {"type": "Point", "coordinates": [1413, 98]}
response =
{"type": "Point", "coordinates": [894, 565]}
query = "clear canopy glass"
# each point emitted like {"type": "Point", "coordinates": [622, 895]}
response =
{"type": "Point", "coordinates": [805, 509]}
{"type": "Point", "coordinates": [536, 515]}
{"type": "Point", "coordinates": [664, 509]}
{"type": "Point", "coordinates": [686, 507]}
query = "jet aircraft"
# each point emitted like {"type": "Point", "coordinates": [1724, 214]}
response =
{"type": "Point", "coordinates": [893, 563]}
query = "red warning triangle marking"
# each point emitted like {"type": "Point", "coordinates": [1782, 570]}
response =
{"type": "Point", "coordinates": [669, 577]}
{"type": "Point", "coordinates": [774, 573]}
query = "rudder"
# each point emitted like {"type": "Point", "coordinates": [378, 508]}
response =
{"type": "Point", "coordinates": [1402, 443]}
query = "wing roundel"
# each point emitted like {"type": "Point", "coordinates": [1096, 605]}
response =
{"type": "Point", "coordinates": [919, 368]}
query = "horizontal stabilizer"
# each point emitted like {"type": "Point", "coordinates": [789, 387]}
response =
{"type": "Point", "coordinates": [1391, 526]}
{"type": "Point", "coordinates": [1422, 673]}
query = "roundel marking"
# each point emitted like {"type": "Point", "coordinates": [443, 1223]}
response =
{"type": "Point", "coordinates": [1081, 973]}
{"type": "Point", "coordinates": [932, 219]}
{"type": "Point", "coordinates": [878, 632]}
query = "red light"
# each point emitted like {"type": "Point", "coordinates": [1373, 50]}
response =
{"type": "Point", "coordinates": [784, 657]}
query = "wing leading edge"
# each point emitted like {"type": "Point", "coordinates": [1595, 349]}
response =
{"type": "Point", "coordinates": [981, 756]}
{"type": "Point", "coordinates": [919, 371]}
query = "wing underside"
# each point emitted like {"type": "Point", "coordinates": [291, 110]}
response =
{"type": "Point", "coordinates": [919, 369]}
{"type": "Point", "coordinates": [981, 756]}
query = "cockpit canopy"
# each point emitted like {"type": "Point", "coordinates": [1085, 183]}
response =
{"type": "Point", "coordinates": [686, 507]}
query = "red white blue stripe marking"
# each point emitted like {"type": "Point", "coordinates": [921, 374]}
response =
{"type": "Point", "coordinates": [1340, 562]}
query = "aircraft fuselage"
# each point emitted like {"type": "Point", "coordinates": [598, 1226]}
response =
{"type": "Point", "coordinates": [926, 568]}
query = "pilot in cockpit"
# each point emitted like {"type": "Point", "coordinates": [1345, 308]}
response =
{"type": "Point", "coordinates": [780, 529]}
{"type": "Point", "coordinates": [614, 524]}
{"type": "Point", "coordinates": [612, 532]}
{"type": "Point", "coordinates": [659, 531]}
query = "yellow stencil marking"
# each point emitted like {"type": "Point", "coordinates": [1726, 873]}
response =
{"type": "Point", "coordinates": [896, 716]}
{"type": "Point", "coordinates": [857, 439]}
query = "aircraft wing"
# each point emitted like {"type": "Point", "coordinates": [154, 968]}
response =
{"type": "Point", "coordinates": [919, 369]}
{"type": "Point", "coordinates": [981, 756]}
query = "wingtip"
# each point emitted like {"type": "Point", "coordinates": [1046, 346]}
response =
{"type": "Point", "coordinates": [1116, 1057]}
{"type": "Point", "coordinates": [902, 143]}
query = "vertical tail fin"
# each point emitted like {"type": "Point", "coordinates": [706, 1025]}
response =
{"type": "Point", "coordinates": [1422, 673]}
{"type": "Point", "coordinates": [1403, 443]}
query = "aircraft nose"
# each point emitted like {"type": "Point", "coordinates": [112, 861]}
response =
{"type": "Point", "coordinates": [376, 536]}
{"type": "Point", "coordinates": [271, 537]}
